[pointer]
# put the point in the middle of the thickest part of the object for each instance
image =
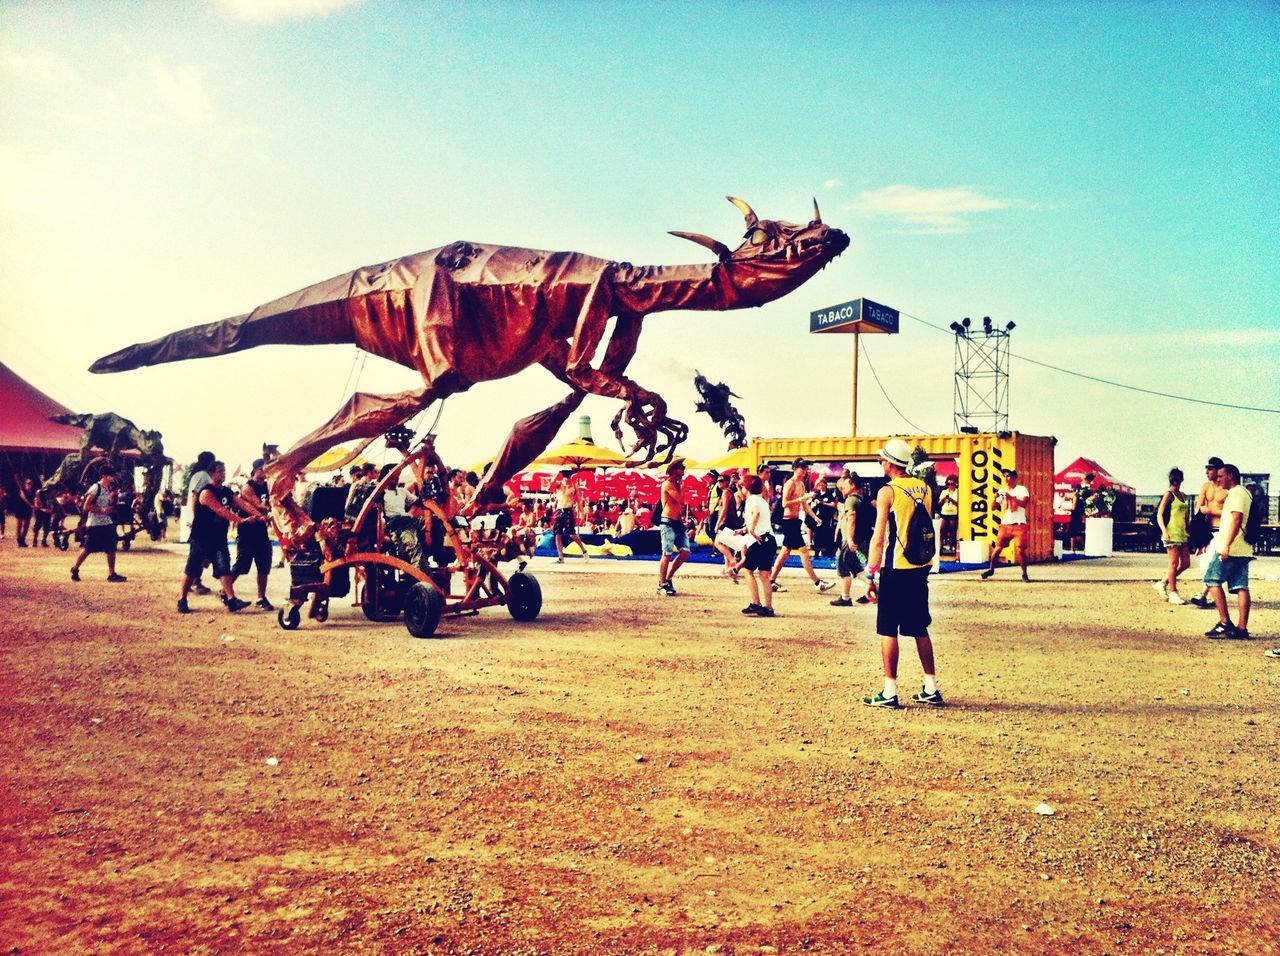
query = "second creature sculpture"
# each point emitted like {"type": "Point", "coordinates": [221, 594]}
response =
{"type": "Point", "coordinates": [715, 402]}
{"type": "Point", "coordinates": [468, 313]}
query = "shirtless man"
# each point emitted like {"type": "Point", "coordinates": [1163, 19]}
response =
{"type": "Point", "coordinates": [1209, 503]}
{"type": "Point", "coordinates": [566, 520]}
{"type": "Point", "coordinates": [675, 537]}
{"type": "Point", "coordinates": [795, 500]}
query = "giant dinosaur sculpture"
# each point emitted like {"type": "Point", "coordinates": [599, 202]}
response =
{"type": "Point", "coordinates": [469, 313]}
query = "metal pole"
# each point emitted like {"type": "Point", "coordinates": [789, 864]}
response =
{"type": "Point", "coordinates": [854, 431]}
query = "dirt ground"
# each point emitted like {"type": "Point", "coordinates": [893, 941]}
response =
{"type": "Point", "coordinates": [632, 773]}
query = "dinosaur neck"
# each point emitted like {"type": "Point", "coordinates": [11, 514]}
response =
{"type": "Point", "coordinates": [646, 289]}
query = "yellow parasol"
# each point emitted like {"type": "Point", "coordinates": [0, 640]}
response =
{"type": "Point", "coordinates": [580, 454]}
{"type": "Point", "coordinates": [737, 458]}
{"type": "Point", "coordinates": [336, 457]}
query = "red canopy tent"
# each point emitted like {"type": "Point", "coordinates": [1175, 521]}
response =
{"type": "Point", "coordinates": [25, 425]}
{"type": "Point", "coordinates": [31, 444]}
{"type": "Point", "coordinates": [1075, 474]}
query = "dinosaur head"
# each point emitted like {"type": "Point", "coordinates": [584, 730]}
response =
{"type": "Point", "coordinates": [775, 257]}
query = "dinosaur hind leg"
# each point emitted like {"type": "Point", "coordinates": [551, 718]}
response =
{"type": "Point", "coordinates": [362, 416]}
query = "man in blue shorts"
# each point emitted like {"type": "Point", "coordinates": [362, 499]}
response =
{"type": "Point", "coordinates": [1229, 559]}
{"type": "Point", "coordinates": [675, 539]}
{"type": "Point", "coordinates": [902, 587]}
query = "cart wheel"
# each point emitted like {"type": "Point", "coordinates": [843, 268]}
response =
{"type": "Point", "coordinates": [322, 612]}
{"type": "Point", "coordinates": [524, 596]}
{"type": "Point", "coordinates": [422, 607]}
{"type": "Point", "coordinates": [289, 618]}
{"type": "Point", "coordinates": [126, 543]}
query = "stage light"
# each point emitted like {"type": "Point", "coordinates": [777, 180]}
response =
{"type": "Point", "coordinates": [957, 328]}
{"type": "Point", "coordinates": [1010, 327]}
{"type": "Point", "coordinates": [986, 324]}
{"type": "Point", "coordinates": [969, 430]}
{"type": "Point", "coordinates": [966, 322]}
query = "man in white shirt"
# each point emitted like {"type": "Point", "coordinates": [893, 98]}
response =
{"type": "Point", "coordinates": [1014, 499]}
{"type": "Point", "coordinates": [1229, 559]}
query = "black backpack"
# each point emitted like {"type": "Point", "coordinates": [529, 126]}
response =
{"type": "Point", "coordinates": [919, 544]}
{"type": "Point", "coordinates": [1253, 522]}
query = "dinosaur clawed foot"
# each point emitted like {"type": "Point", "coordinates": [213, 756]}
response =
{"type": "Point", "coordinates": [646, 415]}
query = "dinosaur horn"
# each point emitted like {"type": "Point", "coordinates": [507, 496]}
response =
{"type": "Point", "coordinates": [817, 216]}
{"type": "Point", "coordinates": [747, 212]}
{"type": "Point", "coordinates": [719, 248]}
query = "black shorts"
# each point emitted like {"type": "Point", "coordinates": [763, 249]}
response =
{"type": "Point", "coordinates": [100, 538]}
{"type": "Point", "coordinates": [904, 603]}
{"type": "Point", "coordinates": [792, 533]}
{"type": "Point", "coordinates": [217, 556]}
{"type": "Point", "coordinates": [252, 547]}
{"type": "Point", "coordinates": [848, 564]}
{"type": "Point", "coordinates": [565, 526]}
{"type": "Point", "coordinates": [760, 554]}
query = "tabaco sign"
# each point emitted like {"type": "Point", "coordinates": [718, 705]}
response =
{"type": "Point", "coordinates": [986, 479]}
{"type": "Point", "coordinates": [860, 315]}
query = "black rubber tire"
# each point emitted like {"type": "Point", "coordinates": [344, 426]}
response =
{"type": "Point", "coordinates": [524, 596]}
{"type": "Point", "coordinates": [322, 612]}
{"type": "Point", "coordinates": [386, 593]}
{"type": "Point", "coordinates": [289, 618]}
{"type": "Point", "coordinates": [422, 607]}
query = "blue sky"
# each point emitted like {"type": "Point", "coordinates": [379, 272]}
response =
{"type": "Point", "coordinates": [1103, 174]}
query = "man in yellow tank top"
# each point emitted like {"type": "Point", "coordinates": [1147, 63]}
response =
{"type": "Point", "coordinates": [900, 587]}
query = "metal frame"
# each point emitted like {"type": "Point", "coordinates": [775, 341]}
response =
{"type": "Point", "coordinates": [982, 380]}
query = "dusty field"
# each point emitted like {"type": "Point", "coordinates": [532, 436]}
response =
{"type": "Point", "coordinates": [634, 774]}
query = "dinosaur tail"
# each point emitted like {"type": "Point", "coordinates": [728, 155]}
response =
{"type": "Point", "coordinates": [320, 324]}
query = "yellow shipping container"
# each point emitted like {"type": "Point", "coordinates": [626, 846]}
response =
{"type": "Point", "coordinates": [980, 461]}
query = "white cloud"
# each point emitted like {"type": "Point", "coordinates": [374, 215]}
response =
{"type": "Point", "coordinates": [947, 210]}
{"type": "Point", "coordinates": [182, 88]}
{"type": "Point", "coordinates": [49, 186]}
{"type": "Point", "coordinates": [35, 64]}
{"type": "Point", "coordinates": [271, 11]}
{"type": "Point", "coordinates": [832, 183]}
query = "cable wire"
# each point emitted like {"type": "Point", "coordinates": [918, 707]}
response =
{"type": "Point", "coordinates": [1103, 381]}
{"type": "Point", "coordinates": [867, 355]}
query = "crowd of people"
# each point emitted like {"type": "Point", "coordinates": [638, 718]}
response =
{"type": "Point", "coordinates": [755, 520]}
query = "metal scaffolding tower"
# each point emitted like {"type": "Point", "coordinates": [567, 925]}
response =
{"type": "Point", "coordinates": [982, 377]}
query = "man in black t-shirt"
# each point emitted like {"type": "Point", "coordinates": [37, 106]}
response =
{"type": "Point", "coordinates": [253, 546]}
{"type": "Point", "coordinates": [213, 516]}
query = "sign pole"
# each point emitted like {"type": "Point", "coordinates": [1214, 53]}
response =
{"type": "Point", "coordinates": [854, 427]}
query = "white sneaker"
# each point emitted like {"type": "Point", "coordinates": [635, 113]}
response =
{"type": "Point", "coordinates": [1161, 587]}
{"type": "Point", "coordinates": [1176, 598]}
{"type": "Point", "coordinates": [822, 587]}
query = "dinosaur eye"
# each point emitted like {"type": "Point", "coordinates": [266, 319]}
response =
{"type": "Point", "coordinates": [757, 237]}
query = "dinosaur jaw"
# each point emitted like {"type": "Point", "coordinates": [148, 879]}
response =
{"type": "Point", "coordinates": [756, 281]}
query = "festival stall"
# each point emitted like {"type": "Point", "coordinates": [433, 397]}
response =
{"type": "Point", "coordinates": [1087, 474]}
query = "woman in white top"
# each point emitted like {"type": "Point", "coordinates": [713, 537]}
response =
{"type": "Point", "coordinates": [758, 560]}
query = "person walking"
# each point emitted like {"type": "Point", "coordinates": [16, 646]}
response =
{"type": "Point", "coordinates": [758, 559]}
{"type": "Point", "coordinates": [675, 537]}
{"type": "Point", "coordinates": [1209, 503]}
{"type": "Point", "coordinates": [1172, 515]}
{"type": "Point", "coordinates": [900, 587]}
{"type": "Point", "coordinates": [849, 562]}
{"type": "Point", "coordinates": [565, 526]}
{"type": "Point", "coordinates": [253, 545]}
{"type": "Point", "coordinates": [208, 545]}
{"type": "Point", "coordinates": [795, 501]}
{"type": "Point", "coordinates": [1229, 559]}
{"type": "Point", "coordinates": [21, 506]}
{"type": "Point", "coordinates": [42, 507]}
{"type": "Point", "coordinates": [1014, 499]}
{"type": "Point", "coordinates": [100, 525]}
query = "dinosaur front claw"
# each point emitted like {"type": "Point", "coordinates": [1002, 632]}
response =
{"type": "Point", "coordinates": [645, 413]}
